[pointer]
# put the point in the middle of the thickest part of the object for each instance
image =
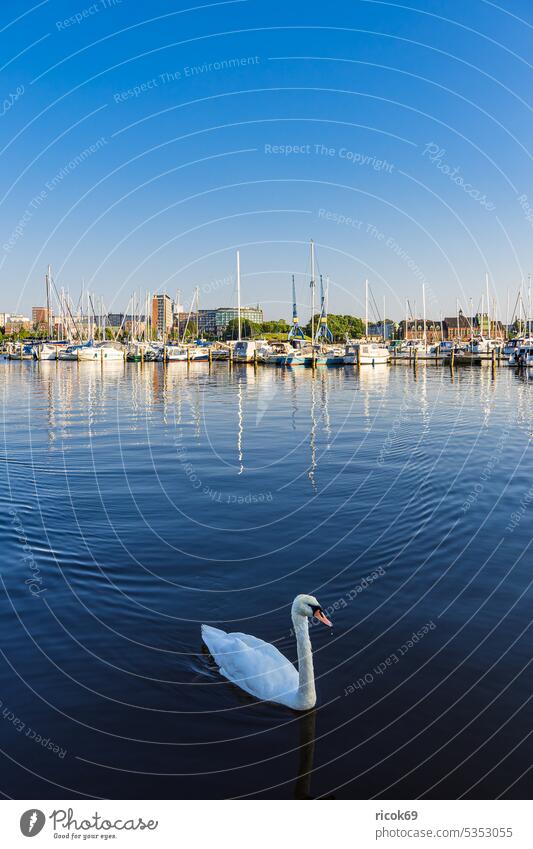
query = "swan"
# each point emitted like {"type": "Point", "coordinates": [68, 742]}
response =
{"type": "Point", "coordinates": [260, 669]}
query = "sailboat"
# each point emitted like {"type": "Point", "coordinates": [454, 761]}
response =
{"type": "Point", "coordinates": [244, 350]}
{"type": "Point", "coordinates": [49, 350]}
{"type": "Point", "coordinates": [365, 352]}
{"type": "Point", "coordinates": [482, 346]}
{"type": "Point", "coordinates": [326, 352]}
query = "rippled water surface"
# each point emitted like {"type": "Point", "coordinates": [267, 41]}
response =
{"type": "Point", "coordinates": [138, 502]}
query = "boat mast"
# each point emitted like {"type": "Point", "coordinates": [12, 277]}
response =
{"type": "Point", "coordinates": [488, 302]}
{"type": "Point", "coordinates": [406, 317]}
{"type": "Point", "coordinates": [384, 319]}
{"type": "Point", "coordinates": [238, 296]}
{"type": "Point", "coordinates": [424, 313]}
{"type": "Point", "coordinates": [529, 306]}
{"type": "Point", "coordinates": [507, 316]}
{"type": "Point", "coordinates": [312, 284]}
{"type": "Point", "coordinates": [366, 309]}
{"type": "Point", "coordinates": [197, 312]}
{"type": "Point", "coordinates": [49, 301]}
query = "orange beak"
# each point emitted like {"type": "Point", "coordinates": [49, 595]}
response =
{"type": "Point", "coordinates": [321, 616]}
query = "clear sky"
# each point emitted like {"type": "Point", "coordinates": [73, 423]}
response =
{"type": "Point", "coordinates": [143, 142]}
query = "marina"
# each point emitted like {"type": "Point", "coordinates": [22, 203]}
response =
{"type": "Point", "coordinates": [148, 341]}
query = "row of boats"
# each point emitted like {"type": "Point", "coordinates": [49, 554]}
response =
{"type": "Point", "coordinates": [516, 352]}
{"type": "Point", "coordinates": [246, 351]}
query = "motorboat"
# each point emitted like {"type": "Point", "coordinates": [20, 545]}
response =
{"type": "Point", "coordinates": [71, 352]}
{"type": "Point", "coordinates": [296, 358]}
{"type": "Point", "coordinates": [449, 346]}
{"type": "Point", "coordinates": [482, 345]}
{"type": "Point", "coordinates": [137, 351]}
{"type": "Point", "coordinates": [275, 353]}
{"type": "Point", "coordinates": [522, 357]}
{"type": "Point", "coordinates": [48, 350]}
{"type": "Point", "coordinates": [244, 351]}
{"type": "Point", "coordinates": [366, 353]}
{"type": "Point", "coordinates": [176, 353]}
{"type": "Point", "coordinates": [219, 353]}
{"type": "Point", "coordinates": [333, 356]}
{"type": "Point", "coordinates": [411, 348]}
{"type": "Point", "coordinates": [512, 345]}
{"type": "Point", "coordinates": [100, 351]}
{"type": "Point", "coordinates": [21, 351]}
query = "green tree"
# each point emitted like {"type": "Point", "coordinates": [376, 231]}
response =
{"type": "Point", "coordinates": [249, 329]}
{"type": "Point", "coordinates": [279, 326]}
{"type": "Point", "coordinates": [341, 326]}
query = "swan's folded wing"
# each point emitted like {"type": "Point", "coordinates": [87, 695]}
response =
{"type": "Point", "coordinates": [256, 666]}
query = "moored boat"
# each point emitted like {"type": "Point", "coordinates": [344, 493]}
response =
{"type": "Point", "coordinates": [522, 357]}
{"type": "Point", "coordinates": [175, 353]}
{"type": "Point", "coordinates": [244, 351]}
{"type": "Point", "coordinates": [100, 351]}
{"type": "Point", "coordinates": [366, 353]}
{"type": "Point", "coordinates": [48, 350]}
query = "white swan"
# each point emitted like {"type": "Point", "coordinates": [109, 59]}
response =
{"type": "Point", "coordinates": [260, 669]}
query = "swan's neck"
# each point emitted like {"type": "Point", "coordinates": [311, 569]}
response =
{"type": "Point", "coordinates": [306, 686]}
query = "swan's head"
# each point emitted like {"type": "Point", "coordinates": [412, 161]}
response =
{"type": "Point", "coordinates": [307, 605]}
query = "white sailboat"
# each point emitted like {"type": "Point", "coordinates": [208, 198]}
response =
{"type": "Point", "coordinates": [364, 352]}
{"type": "Point", "coordinates": [101, 352]}
{"type": "Point", "coordinates": [244, 349]}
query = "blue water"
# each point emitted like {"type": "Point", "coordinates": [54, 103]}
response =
{"type": "Point", "coordinates": [137, 502]}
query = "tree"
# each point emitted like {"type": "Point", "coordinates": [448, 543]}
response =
{"type": "Point", "coordinates": [279, 326]}
{"type": "Point", "coordinates": [340, 326]}
{"type": "Point", "coordinates": [249, 329]}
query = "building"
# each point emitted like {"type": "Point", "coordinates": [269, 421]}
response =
{"type": "Point", "coordinates": [161, 314]}
{"type": "Point", "coordinates": [136, 326]}
{"type": "Point", "coordinates": [376, 329]}
{"type": "Point", "coordinates": [119, 319]}
{"type": "Point", "coordinates": [489, 326]}
{"type": "Point", "coordinates": [40, 317]}
{"type": "Point", "coordinates": [204, 320]}
{"type": "Point", "coordinates": [478, 325]}
{"type": "Point", "coordinates": [226, 314]}
{"type": "Point", "coordinates": [213, 323]}
{"type": "Point", "coordinates": [415, 330]}
{"type": "Point", "coordinates": [115, 319]}
{"type": "Point", "coordinates": [15, 322]}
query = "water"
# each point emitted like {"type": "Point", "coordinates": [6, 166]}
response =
{"type": "Point", "coordinates": [138, 502]}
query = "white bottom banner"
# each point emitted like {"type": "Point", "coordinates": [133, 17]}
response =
{"type": "Point", "coordinates": [235, 824]}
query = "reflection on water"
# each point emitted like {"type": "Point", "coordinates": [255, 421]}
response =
{"type": "Point", "coordinates": [140, 500]}
{"type": "Point", "coordinates": [307, 728]}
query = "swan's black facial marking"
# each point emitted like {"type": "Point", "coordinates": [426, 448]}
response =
{"type": "Point", "coordinates": [315, 608]}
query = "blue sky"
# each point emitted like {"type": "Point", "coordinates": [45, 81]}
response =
{"type": "Point", "coordinates": [142, 143]}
